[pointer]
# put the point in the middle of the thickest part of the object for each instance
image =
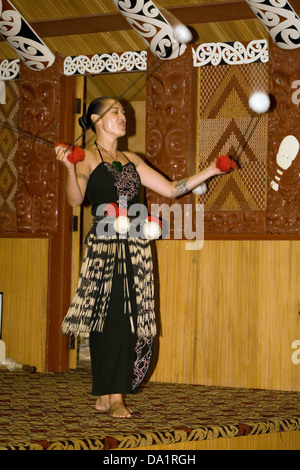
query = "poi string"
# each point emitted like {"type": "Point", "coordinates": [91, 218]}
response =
{"type": "Point", "coordinates": [178, 26]}
{"type": "Point", "coordinates": [117, 99]}
{"type": "Point", "coordinates": [226, 162]}
{"type": "Point", "coordinates": [51, 144]}
{"type": "Point", "coordinates": [181, 34]}
{"type": "Point", "coordinates": [234, 157]}
{"type": "Point", "coordinates": [27, 134]}
{"type": "Point", "coordinates": [244, 137]}
{"type": "Point", "coordinates": [260, 103]}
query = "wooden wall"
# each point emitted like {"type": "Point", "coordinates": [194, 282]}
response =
{"type": "Point", "coordinates": [229, 313]}
{"type": "Point", "coordinates": [24, 282]}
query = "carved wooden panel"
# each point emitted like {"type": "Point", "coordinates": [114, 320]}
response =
{"type": "Point", "coordinates": [245, 223]}
{"type": "Point", "coordinates": [169, 118]}
{"type": "Point", "coordinates": [39, 116]}
{"type": "Point", "coordinates": [172, 128]}
{"type": "Point", "coordinates": [283, 202]}
{"type": "Point", "coordinates": [9, 111]}
{"type": "Point", "coordinates": [172, 141]}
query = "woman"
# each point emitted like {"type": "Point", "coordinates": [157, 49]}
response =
{"type": "Point", "coordinates": [114, 298]}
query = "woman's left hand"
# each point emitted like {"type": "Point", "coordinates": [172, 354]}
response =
{"type": "Point", "coordinates": [215, 170]}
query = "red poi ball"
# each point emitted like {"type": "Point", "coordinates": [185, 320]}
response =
{"type": "Point", "coordinates": [77, 154]}
{"type": "Point", "coordinates": [225, 163]}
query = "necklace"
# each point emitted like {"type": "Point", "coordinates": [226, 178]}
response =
{"type": "Point", "coordinates": [115, 163]}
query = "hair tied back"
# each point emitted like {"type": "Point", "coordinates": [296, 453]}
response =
{"type": "Point", "coordinates": [84, 122]}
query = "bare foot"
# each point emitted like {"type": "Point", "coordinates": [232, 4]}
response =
{"type": "Point", "coordinates": [103, 403]}
{"type": "Point", "coordinates": [119, 410]}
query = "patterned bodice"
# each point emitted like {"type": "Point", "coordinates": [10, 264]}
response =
{"type": "Point", "coordinates": [106, 185]}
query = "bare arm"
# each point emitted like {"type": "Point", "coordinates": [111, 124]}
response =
{"type": "Point", "coordinates": [76, 177]}
{"type": "Point", "coordinates": [172, 189]}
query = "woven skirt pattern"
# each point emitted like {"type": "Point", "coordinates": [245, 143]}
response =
{"type": "Point", "coordinates": [89, 305]}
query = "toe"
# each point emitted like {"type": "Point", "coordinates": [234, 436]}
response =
{"type": "Point", "coordinates": [118, 410]}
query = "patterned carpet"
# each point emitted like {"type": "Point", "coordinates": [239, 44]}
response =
{"type": "Point", "coordinates": [56, 411]}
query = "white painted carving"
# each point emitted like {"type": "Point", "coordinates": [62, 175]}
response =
{"type": "Point", "coordinates": [280, 20]}
{"type": "Point", "coordinates": [30, 48]}
{"type": "Point", "coordinates": [151, 25]}
{"type": "Point", "coordinates": [106, 63]}
{"type": "Point", "coordinates": [216, 53]}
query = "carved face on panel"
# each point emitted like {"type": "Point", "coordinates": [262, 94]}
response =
{"type": "Point", "coordinates": [38, 102]}
{"type": "Point", "coordinates": [167, 96]}
{"type": "Point", "coordinates": [37, 167]}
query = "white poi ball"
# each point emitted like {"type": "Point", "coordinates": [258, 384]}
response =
{"type": "Point", "coordinates": [201, 189]}
{"type": "Point", "coordinates": [151, 230]}
{"type": "Point", "coordinates": [182, 34]}
{"type": "Point", "coordinates": [259, 102]}
{"type": "Point", "coordinates": [121, 224]}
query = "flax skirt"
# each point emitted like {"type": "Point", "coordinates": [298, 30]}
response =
{"type": "Point", "coordinates": [114, 305]}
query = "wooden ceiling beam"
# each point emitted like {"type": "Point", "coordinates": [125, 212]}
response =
{"type": "Point", "coordinates": [102, 23]}
{"type": "Point", "coordinates": [231, 10]}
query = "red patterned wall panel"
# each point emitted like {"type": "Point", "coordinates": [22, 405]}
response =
{"type": "Point", "coordinates": [283, 197]}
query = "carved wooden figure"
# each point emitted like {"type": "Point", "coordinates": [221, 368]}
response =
{"type": "Point", "coordinates": [39, 116]}
{"type": "Point", "coordinates": [169, 121]}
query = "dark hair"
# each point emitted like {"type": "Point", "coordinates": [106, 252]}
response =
{"type": "Point", "coordinates": [95, 107]}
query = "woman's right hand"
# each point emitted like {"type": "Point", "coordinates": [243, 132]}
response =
{"type": "Point", "coordinates": [62, 156]}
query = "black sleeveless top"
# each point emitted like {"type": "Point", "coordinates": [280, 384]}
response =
{"type": "Point", "coordinates": [106, 185]}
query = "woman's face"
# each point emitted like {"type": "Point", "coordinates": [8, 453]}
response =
{"type": "Point", "coordinates": [113, 120]}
